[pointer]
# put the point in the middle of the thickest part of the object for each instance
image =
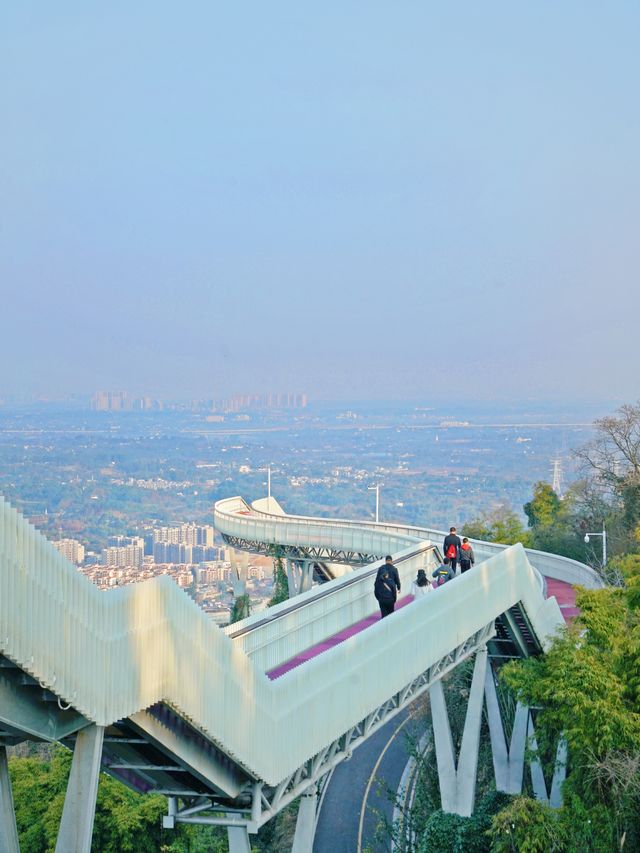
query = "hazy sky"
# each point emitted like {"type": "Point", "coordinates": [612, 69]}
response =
{"type": "Point", "coordinates": [371, 199]}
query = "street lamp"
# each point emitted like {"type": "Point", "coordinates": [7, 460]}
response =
{"type": "Point", "coordinates": [376, 489]}
{"type": "Point", "coordinates": [604, 543]}
{"type": "Point", "coordinates": [268, 485]}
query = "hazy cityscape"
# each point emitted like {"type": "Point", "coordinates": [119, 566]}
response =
{"type": "Point", "coordinates": [126, 492]}
{"type": "Point", "coordinates": [378, 261]}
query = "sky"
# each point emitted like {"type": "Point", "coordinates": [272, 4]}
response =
{"type": "Point", "coordinates": [360, 200]}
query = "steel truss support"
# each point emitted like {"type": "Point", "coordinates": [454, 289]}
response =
{"type": "Point", "coordinates": [76, 826]}
{"type": "Point", "coordinates": [458, 783]}
{"type": "Point", "coordinates": [316, 554]}
{"type": "Point", "coordinates": [8, 829]}
{"type": "Point", "coordinates": [261, 802]}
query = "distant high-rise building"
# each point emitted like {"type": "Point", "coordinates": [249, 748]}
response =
{"type": "Point", "coordinates": [127, 555]}
{"type": "Point", "coordinates": [71, 549]}
{"type": "Point", "coordinates": [111, 401]}
{"type": "Point", "coordinates": [120, 401]}
{"type": "Point", "coordinates": [287, 400]}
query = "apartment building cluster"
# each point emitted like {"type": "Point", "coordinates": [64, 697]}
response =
{"type": "Point", "coordinates": [184, 574]}
{"type": "Point", "coordinates": [121, 401]}
{"type": "Point", "coordinates": [123, 551]}
{"type": "Point", "coordinates": [261, 401]}
{"type": "Point", "coordinates": [71, 549]}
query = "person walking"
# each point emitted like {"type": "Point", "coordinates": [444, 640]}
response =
{"type": "Point", "coordinates": [420, 586]}
{"type": "Point", "coordinates": [443, 573]}
{"type": "Point", "coordinates": [387, 587]}
{"type": "Point", "coordinates": [467, 557]}
{"type": "Point", "coordinates": [451, 548]}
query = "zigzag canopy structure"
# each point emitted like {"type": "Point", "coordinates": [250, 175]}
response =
{"type": "Point", "coordinates": [140, 682]}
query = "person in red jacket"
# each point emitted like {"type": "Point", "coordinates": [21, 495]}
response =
{"type": "Point", "coordinates": [467, 557]}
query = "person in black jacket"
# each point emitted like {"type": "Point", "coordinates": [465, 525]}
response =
{"type": "Point", "coordinates": [451, 548]}
{"type": "Point", "coordinates": [387, 587]}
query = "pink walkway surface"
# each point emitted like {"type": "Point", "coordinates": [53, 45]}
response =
{"type": "Point", "coordinates": [565, 595]}
{"type": "Point", "coordinates": [330, 642]}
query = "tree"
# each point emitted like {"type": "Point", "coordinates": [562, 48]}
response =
{"type": "Point", "coordinates": [499, 525]}
{"type": "Point", "coordinates": [587, 687]}
{"type": "Point", "coordinates": [544, 508]}
{"type": "Point", "coordinates": [555, 524]}
{"type": "Point", "coordinates": [614, 453]}
{"type": "Point", "coordinates": [280, 583]}
{"type": "Point", "coordinates": [241, 608]}
{"type": "Point", "coordinates": [527, 826]}
{"type": "Point", "coordinates": [611, 462]}
{"type": "Point", "coordinates": [124, 821]}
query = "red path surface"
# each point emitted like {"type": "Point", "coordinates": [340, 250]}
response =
{"type": "Point", "coordinates": [565, 595]}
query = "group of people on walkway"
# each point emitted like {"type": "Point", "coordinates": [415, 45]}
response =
{"type": "Point", "coordinates": [387, 583]}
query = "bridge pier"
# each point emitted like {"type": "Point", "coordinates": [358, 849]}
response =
{"type": "Point", "coordinates": [306, 822]}
{"type": "Point", "coordinates": [554, 799]}
{"type": "Point", "coordinates": [8, 828]}
{"type": "Point", "coordinates": [76, 826]}
{"type": "Point", "coordinates": [508, 764]}
{"type": "Point", "coordinates": [238, 837]}
{"type": "Point", "coordinates": [299, 576]}
{"type": "Point", "coordinates": [458, 783]}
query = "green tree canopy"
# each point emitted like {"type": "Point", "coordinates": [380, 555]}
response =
{"type": "Point", "coordinates": [500, 525]}
{"type": "Point", "coordinates": [544, 508]}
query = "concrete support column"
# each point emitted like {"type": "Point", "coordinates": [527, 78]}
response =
{"type": "Point", "coordinates": [559, 775]}
{"type": "Point", "coordinates": [76, 826]}
{"type": "Point", "coordinates": [559, 772]}
{"type": "Point", "coordinates": [468, 760]}
{"type": "Point", "coordinates": [458, 784]}
{"type": "Point", "coordinates": [445, 756]}
{"type": "Point", "coordinates": [306, 823]}
{"type": "Point", "coordinates": [306, 576]}
{"type": "Point", "coordinates": [508, 764]}
{"type": "Point", "coordinates": [537, 776]}
{"type": "Point", "coordinates": [8, 829]}
{"type": "Point", "coordinates": [238, 838]}
{"type": "Point", "coordinates": [292, 580]}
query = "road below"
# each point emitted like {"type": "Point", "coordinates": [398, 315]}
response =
{"type": "Point", "coordinates": [361, 792]}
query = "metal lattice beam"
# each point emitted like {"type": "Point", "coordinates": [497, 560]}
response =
{"type": "Point", "coordinates": [298, 552]}
{"type": "Point", "coordinates": [266, 802]}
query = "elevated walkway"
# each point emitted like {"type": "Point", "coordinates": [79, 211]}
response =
{"type": "Point", "coordinates": [140, 681]}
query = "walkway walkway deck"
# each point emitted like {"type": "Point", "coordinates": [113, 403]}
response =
{"type": "Point", "coordinates": [564, 593]}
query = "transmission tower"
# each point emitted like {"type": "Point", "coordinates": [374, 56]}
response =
{"type": "Point", "coordinates": [556, 485]}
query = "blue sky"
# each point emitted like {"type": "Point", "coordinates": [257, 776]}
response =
{"type": "Point", "coordinates": [353, 199]}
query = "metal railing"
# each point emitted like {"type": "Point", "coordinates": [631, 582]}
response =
{"type": "Point", "coordinates": [549, 565]}
{"type": "Point", "coordinates": [298, 624]}
{"type": "Point", "coordinates": [111, 654]}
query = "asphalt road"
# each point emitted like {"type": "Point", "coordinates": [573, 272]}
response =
{"type": "Point", "coordinates": [358, 794]}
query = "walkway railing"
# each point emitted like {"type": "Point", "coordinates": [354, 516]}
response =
{"type": "Point", "coordinates": [111, 654]}
{"type": "Point", "coordinates": [296, 625]}
{"type": "Point", "coordinates": [549, 565]}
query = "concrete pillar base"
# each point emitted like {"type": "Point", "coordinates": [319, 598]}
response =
{"type": "Point", "coordinates": [238, 838]}
{"type": "Point", "coordinates": [458, 784]}
{"type": "Point", "coordinates": [8, 829]}
{"type": "Point", "coordinates": [306, 824]}
{"type": "Point", "coordinates": [76, 826]}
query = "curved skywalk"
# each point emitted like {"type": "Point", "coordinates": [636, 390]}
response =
{"type": "Point", "coordinates": [191, 712]}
